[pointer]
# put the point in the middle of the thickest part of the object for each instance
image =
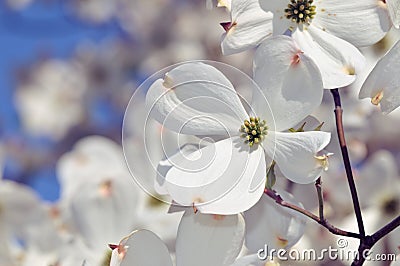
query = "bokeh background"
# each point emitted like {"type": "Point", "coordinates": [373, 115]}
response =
{"type": "Point", "coordinates": [68, 70]}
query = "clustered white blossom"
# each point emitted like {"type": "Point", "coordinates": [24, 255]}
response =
{"type": "Point", "coordinates": [319, 51]}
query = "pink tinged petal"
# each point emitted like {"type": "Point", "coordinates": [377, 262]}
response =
{"type": "Point", "coordinates": [361, 23]}
{"type": "Point", "coordinates": [295, 154]}
{"type": "Point", "coordinates": [196, 99]}
{"type": "Point", "coordinates": [142, 247]}
{"type": "Point", "coordinates": [394, 11]}
{"type": "Point", "coordinates": [205, 177]}
{"type": "Point", "coordinates": [248, 27]}
{"type": "Point", "coordinates": [338, 61]}
{"type": "Point", "coordinates": [289, 80]}
{"type": "Point", "coordinates": [270, 224]}
{"type": "Point", "coordinates": [103, 217]}
{"type": "Point", "coordinates": [205, 239]}
{"type": "Point", "coordinates": [383, 83]}
{"type": "Point", "coordinates": [82, 164]}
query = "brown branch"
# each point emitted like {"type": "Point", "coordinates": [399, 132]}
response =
{"type": "Point", "coordinates": [346, 160]}
{"type": "Point", "coordinates": [370, 241]}
{"type": "Point", "coordinates": [386, 229]}
{"type": "Point", "coordinates": [318, 186]}
{"type": "Point", "coordinates": [334, 230]}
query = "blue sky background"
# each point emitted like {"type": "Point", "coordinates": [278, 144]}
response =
{"type": "Point", "coordinates": [44, 27]}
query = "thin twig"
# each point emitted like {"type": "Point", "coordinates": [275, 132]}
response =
{"type": "Point", "coordinates": [346, 160]}
{"type": "Point", "coordinates": [334, 230]}
{"type": "Point", "coordinates": [320, 198]}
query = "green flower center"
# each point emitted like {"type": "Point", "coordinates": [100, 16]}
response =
{"type": "Point", "coordinates": [254, 130]}
{"type": "Point", "coordinates": [300, 11]}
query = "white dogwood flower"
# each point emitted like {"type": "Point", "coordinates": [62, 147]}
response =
{"type": "Point", "coordinates": [228, 176]}
{"type": "Point", "coordinates": [52, 101]}
{"type": "Point", "coordinates": [324, 30]}
{"type": "Point", "coordinates": [98, 196]}
{"type": "Point", "coordinates": [202, 239]}
{"type": "Point", "coordinates": [382, 84]}
{"type": "Point", "coordinates": [23, 216]}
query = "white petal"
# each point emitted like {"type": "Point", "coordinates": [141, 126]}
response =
{"type": "Point", "coordinates": [93, 159]}
{"type": "Point", "coordinates": [295, 153]}
{"type": "Point", "coordinates": [337, 60]}
{"type": "Point", "coordinates": [269, 224]}
{"type": "Point", "coordinates": [289, 80]}
{"type": "Point", "coordinates": [361, 23]}
{"type": "Point", "coordinates": [212, 173]}
{"type": "Point", "coordinates": [244, 194]}
{"type": "Point", "coordinates": [196, 99]}
{"type": "Point", "coordinates": [394, 11]}
{"type": "Point", "coordinates": [248, 27]}
{"type": "Point", "coordinates": [144, 248]}
{"type": "Point", "coordinates": [241, 197]}
{"type": "Point", "coordinates": [384, 78]}
{"type": "Point", "coordinates": [310, 123]}
{"type": "Point", "coordinates": [205, 239]}
{"type": "Point", "coordinates": [166, 164]}
{"type": "Point", "coordinates": [105, 212]}
{"type": "Point", "coordinates": [115, 258]}
{"type": "Point", "coordinates": [280, 23]}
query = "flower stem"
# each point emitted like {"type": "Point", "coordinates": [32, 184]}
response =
{"type": "Point", "coordinates": [278, 199]}
{"type": "Point", "coordinates": [346, 160]}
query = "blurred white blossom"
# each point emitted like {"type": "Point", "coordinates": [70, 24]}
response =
{"type": "Point", "coordinates": [98, 198]}
{"type": "Point", "coordinates": [50, 103]}
{"type": "Point", "coordinates": [25, 224]}
{"type": "Point", "coordinates": [18, 4]}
